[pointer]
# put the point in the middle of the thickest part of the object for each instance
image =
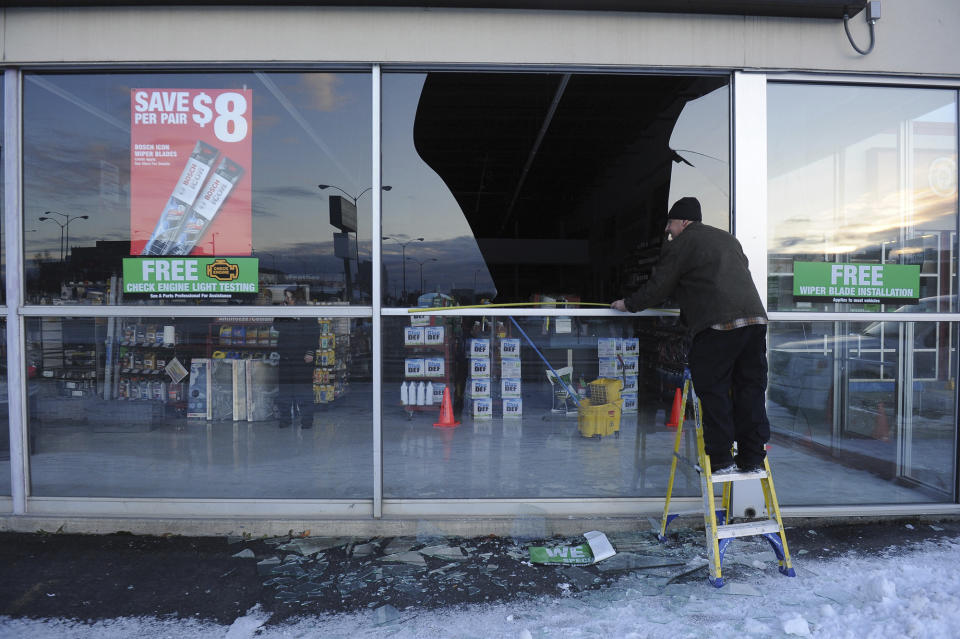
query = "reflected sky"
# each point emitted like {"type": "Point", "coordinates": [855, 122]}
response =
{"type": "Point", "coordinates": [619, 151]}
{"type": "Point", "coordinates": [702, 138]}
{"type": "Point", "coordinates": [308, 129]}
{"type": "Point", "coordinates": [850, 167]}
{"type": "Point", "coordinates": [420, 204]}
{"type": "Point", "coordinates": [561, 178]}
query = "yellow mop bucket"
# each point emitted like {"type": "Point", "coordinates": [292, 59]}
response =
{"type": "Point", "coordinates": [599, 420]}
{"type": "Point", "coordinates": [604, 390]}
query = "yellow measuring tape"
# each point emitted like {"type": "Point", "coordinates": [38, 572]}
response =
{"type": "Point", "coordinates": [517, 304]}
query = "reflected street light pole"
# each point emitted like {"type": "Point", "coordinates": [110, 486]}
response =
{"type": "Point", "coordinates": [353, 198]}
{"type": "Point", "coordinates": [50, 219]}
{"type": "Point", "coordinates": [356, 244]}
{"type": "Point", "coordinates": [64, 229]}
{"type": "Point", "coordinates": [421, 263]}
{"type": "Point", "coordinates": [403, 261]}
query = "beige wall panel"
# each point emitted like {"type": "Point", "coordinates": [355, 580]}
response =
{"type": "Point", "coordinates": [912, 37]}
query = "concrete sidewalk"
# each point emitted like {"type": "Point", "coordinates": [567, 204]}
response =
{"type": "Point", "coordinates": [90, 577]}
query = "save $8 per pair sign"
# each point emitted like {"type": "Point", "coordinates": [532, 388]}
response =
{"type": "Point", "coordinates": [227, 112]}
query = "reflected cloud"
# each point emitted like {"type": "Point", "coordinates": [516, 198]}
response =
{"type": "Point", "coordinates": [861, 224]}
{"type": "Point", "coordinates": [323, 92]}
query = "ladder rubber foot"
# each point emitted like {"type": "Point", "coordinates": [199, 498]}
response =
{"type": "Point", "coordinates": [789, 572]}
{"type": "Point", "coordinates": [716, 583]}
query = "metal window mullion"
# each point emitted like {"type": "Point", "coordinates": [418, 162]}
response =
{"type": "Point", "coordinates": [494, 311]}
{"type": "Point", "coordinates": [376, 293]}
{"type": "Point", "coordinates": [819, 316]}
{"type": "Point", "coordinates": [197, 311]}
{"type": "Point", "coordinates": [13, 197]}
{"type": "Point", "coordinates": [750, 172]}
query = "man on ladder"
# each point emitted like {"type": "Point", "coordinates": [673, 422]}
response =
{"type": "Point", "coordinates": [705, 270]}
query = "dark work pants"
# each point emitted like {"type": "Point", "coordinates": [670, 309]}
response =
{"type": "Point", "coordinates": [729, 371]}
{"type": "Point", "coordinates": [297, 394]}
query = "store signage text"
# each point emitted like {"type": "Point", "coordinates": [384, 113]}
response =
{"type": "Point", "coordinates": [191, 163]}
{"type": "Point", "coordinates": [173, 107]}
{"type": "Point", "coordinates": [199, 277]}
{"type": "Point", "coordinates": [856, 283]}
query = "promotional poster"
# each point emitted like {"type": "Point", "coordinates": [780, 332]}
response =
{"type": "Point", "coordinates": [856, 283]}
{"type": "Point", "coordinates": [190, 162]}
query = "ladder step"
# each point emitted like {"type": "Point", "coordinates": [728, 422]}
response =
{"type": "Point", "coordinates": [747, 529]}
{"type": "Point", "coordinates": [720, 479]}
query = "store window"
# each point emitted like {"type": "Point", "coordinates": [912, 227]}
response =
{"type": "Point", "coordinates": [500, 407]}
{"type": "Point", "coordinates": [862, 177]}
{"type": "Point", "coordinates": [870, 405]}
{"type": "Point", "coordinates": [196, 188]}
{"type": "Point", "coordinates": [531, 187]}
{"type": "Point", "coordinates": [221, 407]}
{"type": "Point", "coordinates": [863, 218]}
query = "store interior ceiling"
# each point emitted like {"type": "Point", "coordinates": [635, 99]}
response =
{"type": "Point", "coordinates": [564, 174]}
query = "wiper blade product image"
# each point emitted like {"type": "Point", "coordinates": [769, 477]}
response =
{"type": "Point", "coordinates": [206, 207]}
{"type": "Point", "coordinates": [184, 195]}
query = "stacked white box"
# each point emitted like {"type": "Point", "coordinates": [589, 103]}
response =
{"type": "Point", "coordinates": [414, 367]}
{"type": "Point", "coordinates": [482, 408]}
{"type": "Point", "coordinates": [414, 335]}
{"type": "Point", "coordinates": [609, 347]}
{"type": "Point", "coordinates": [511, 386]}
{"type": "Point", "coordinates": [629, 402]}
{"type": "Point", "coordinates": [512, 407]}
{"type": "Point", "coordinates": [478, 389]}
{"type": "Point", "coordinates": [479, 348]}
{"type": "Point", "coordinates": [510, 348]}
{"type": "Point", "coordinates": [433, 335]}
{"type": "Point", "coordinates": [610, 367]}
{"type": "Point", "coordinates": [510, 369]}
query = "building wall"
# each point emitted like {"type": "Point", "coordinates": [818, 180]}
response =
{"type": "Point", "coordinates": [916, 38]}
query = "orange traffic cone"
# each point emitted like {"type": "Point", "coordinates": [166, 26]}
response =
{"type": "Point", "coordinates": [675, 413]}
{"type": "Point", "coordinates": [446, 412]}
{"type": "Point", "coordinates": [881, 429]}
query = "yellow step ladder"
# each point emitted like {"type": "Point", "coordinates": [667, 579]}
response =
{"type": "Point", "coordinates": [720, 535]}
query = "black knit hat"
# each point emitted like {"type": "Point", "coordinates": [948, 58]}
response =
{"type": "Point", "coordinates": [686, 208]}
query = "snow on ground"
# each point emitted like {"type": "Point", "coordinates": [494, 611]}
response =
{"type": "Point", "coordinates": [903, 592]}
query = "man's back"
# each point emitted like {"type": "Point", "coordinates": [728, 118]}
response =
{"type": "Point", "coordinates": [705, 270]}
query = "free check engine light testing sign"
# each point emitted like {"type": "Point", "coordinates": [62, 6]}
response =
{"type": "Point", "coordinates": [189, 277]}
{"type": "Point", "coordinates": [190, 161]}
{"type": "Point", "coordinates": [856, 283]}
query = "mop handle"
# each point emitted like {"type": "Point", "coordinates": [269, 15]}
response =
{"type": "Point", "coordinates": [576, 399]}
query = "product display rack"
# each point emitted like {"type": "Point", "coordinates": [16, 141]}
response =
{"type": "Point", "coordinates": [70, 359]}
{"type": "Point", "coordinates": [142, 355]}
{"type": "Point", "coordinates": [238, 338]}
{"type": "Point", "coordinates": [331, 372]}
{"type": "Point", "coordinates": [428, 357]}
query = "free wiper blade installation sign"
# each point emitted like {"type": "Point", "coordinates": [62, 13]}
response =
{"type": "Point", "coordinates": [856, 283]}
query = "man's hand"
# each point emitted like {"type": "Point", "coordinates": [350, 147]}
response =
{"type": "Point", "coordinates": [619, 305]}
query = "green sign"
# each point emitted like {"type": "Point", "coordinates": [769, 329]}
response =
{"type": "Point", "coordinates": [856, 283]}
{"type": "Point", "coordinates": [561, 554]}
{"type": "Point", "coordinates": [189, 277]}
